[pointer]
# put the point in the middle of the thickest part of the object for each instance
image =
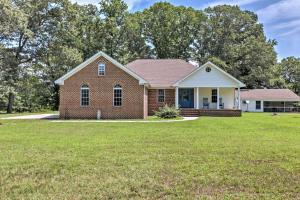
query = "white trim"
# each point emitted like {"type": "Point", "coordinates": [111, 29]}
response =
{"type": "Point", "coordinates": [157, 94]}
{"type": "Point", "coordinates": [218, 96]}
{"type": "Point", "coordinates": [160, 87]}
{"type": "Point", "coordinates": [240, 84]}
{"type": "Point", "coordinates": [197, 98]}
{"type": "Point", "coordinates": [176, 98]}
{"type": "Point", "coordinates": [101, 64]}
{"type": "Point", "coordinates": [61, 80]}
{"type": "Point", "coordinates": [259, 105]}
{"type": "Point", "coordinates": [89, 97]}
{"type": "Point", "coordinates": [239, 98]}
{"type": "Point", "coordinates": [118, 88]}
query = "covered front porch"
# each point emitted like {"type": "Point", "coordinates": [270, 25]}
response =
{"type": "Point", "coordinates": [207, 98]}
{"type": "Point", "coordinates": [223, 102]}
{"type": "Point", "coordinates": [208, 91]}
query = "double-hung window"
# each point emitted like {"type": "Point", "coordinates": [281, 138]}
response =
{"type": "Point", "coordinates": [84, 95]}
{"type": "Point", "coordinates": [101, 69]}
{"type": "Point", "coordinates": [117, 95]}
{"type": "Point", "coordinates": [258, 105]}
{"type": "Point", "coordinates": [214, 95]}
{"type": "Point", "coordinates": [161, 95]}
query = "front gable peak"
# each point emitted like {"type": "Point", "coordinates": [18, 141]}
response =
{"type": "Point", "coordinates": [209, 75]}
{"type": "Point", "coordinates": [61, 80]}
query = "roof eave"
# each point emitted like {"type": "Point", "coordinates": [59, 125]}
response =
{"type": "Point", "coordinates": [239, 83]}
{"type": "Point", "coordinates": [61, 80]}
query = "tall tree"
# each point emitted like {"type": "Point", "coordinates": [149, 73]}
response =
{"type": "Point", "coordinates": [290, 72]}
{"type": "Point", "coordinates": [12, 19]}
{"type": "Point", "coordinates": [235, 37]}
{"type": "Point", "coordinates": [135, 39]}
{"type": "Point", "coordinates": [111, 36]}
{"type": "Point", "coordinates": [171, 30]}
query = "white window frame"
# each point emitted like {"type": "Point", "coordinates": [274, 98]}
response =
{"type": "Point", "coordinates": [256, 105]}
{"type": "Point", "coordinates": [84, 87]}
{"type": "Point", "coordinates": [101, 71]}
{"type": "Point", "coordinates": [163, 95]}
{"type": "Point", "coordinates": [216, 95]}
{"type": "Point", "coordinates": [117, 87]}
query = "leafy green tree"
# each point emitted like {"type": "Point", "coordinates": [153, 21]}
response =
{"type": "Point", "coordinates": [170, 29]}
{"type": "Point", "coordinates": [290, 72]}
{"type": "Point", "coordinates": [235, 37]}
{"type": "Point", "coordinates": [135, 39]}
{"type": "Point", "coordinates": [111, 36]}
{"type": "Point", "coordinates": [12, 19]}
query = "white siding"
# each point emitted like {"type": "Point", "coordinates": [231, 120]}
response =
{"type": "Point", "coordinates": [227, 95]}
{"type": "Point", "coordinates": [252, 106]}
{"type": "Point", "coordinates": [214, 78]}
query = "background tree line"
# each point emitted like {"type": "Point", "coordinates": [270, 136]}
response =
{"type": "Point", "coordinates": [42, 40]}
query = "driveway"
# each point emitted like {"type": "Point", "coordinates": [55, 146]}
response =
{"type": "Point", "coordinates": [39, 116]}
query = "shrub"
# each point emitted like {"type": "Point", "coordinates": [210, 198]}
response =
{"type": "Point", "coordinates": [167, 112]}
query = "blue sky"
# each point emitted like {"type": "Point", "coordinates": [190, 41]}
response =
{"type": "Point", "coordinates": [281, 18]}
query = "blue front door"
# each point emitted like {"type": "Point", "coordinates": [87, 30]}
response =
{"type": "Point", "coordinates": [186, 98]}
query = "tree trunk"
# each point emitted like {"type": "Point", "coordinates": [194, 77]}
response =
{"type": "Point", "coordinates": [11, 98]}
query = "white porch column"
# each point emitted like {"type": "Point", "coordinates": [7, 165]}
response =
{"type": "Point", "coordinates": [176, 98]}
{"type": "Point", "coordinates": [239, 98]}
{"type": "Point", "coordinates": [197, 98]}
{"type": "Point", "coordinates": [218, 94]}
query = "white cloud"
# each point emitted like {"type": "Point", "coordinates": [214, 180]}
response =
{"type": "Point", "coordinates": [130, 3]}
{"type": "Point", "coordinates": [286, 9]}
{"type": "Point", "coordinates": [286, 12]}
{"type": "Point", "coordinates": [291, 32]}
{"type": "Point", "coordinates": [231, 2]}
{"type": "Point", "coordinates": [287, 24]}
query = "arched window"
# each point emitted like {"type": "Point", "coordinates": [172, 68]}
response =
{"type": "Point", "coordinates": [101, 69]}
{"type": "Point", "coordinates": [84, 95]}
{"type": "Point", "coordinates": [118, 95]}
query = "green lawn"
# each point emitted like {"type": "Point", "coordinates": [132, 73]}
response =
{"type": "Point", "coordinates": [255, 156]}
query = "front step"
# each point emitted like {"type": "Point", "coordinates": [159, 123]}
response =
{"type": "Point", "coordinates": [189, 112]}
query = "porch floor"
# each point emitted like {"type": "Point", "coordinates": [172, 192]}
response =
{"type": "Point", "coordinates": [193, 112]}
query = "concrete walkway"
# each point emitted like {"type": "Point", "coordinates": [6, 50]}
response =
{"type": "Point", "coordinates": [39, 116]}
{"type": "Point", "coordinates": [124, 121]}
{"type": "Point", "coordinates": [56, 116]}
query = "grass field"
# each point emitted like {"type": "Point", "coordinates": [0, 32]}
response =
{"type": "Point", "coordinates": [255, 156]}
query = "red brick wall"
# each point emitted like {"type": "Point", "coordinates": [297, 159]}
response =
{"type": "Point", "coordinates": [101, 94]}
{"type": "Point", "coordinates": [153, 103]}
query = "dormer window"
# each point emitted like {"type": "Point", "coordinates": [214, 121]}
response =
{"type": "Point", "coordinates": [101, 69]}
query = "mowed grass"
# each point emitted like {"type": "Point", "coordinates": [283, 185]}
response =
{"type": "Point", "coordinates": [255, 156]}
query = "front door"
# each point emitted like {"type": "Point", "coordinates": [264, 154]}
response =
{"type": "Point", "coordinates": [186, 98]}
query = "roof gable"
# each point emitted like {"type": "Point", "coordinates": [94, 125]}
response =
{"type": "Point", "coordinates": [215, 78]}
{"type": "Point", "coordinates": [61, 80]}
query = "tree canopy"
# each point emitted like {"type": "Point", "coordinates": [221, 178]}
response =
{"type": "Point", "coordinates": [42, 40]}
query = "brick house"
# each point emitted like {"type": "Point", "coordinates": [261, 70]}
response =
{"type": "Point", "coordinates": [103, 88]}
